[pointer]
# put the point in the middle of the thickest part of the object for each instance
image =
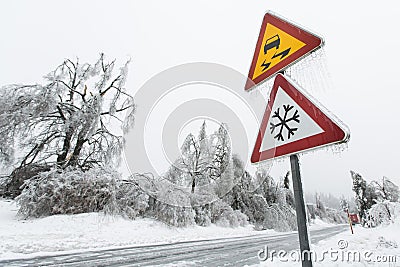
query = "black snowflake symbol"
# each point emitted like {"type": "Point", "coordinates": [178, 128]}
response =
{"type": "Point", "coordinates": [284, 122]}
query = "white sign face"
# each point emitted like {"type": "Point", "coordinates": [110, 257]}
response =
{"type": "Point", "coordinates": [288, 123]}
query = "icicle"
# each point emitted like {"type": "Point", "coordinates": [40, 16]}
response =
{"type": "Point", "coordinates": [312, 72]}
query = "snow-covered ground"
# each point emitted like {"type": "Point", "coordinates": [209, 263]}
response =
{"type": "Point", "coordinates": [378, 246]}
{"type": "Point", "coordinates": [50, 235]}
{"type": "Point", "coordinates": [72, 233]}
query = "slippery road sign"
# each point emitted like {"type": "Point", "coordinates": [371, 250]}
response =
{"type": "Point", "coordinates": [280, 44]}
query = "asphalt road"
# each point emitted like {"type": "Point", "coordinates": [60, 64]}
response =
{"type": "Point", "coordinates": [218, 252]}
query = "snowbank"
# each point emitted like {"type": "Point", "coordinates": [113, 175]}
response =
{"type": "Point", "coordinates": [317, 223]}
{"type": "Point", "coordinates": [50, 235]}
{"type": "Point", "coordinates": [89, 231]}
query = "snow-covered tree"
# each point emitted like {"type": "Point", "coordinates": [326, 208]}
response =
{"type": "Point", "coordinates": [388, 190]}
{"type": "Point", "coordinates": [221, 151]}
{"type": "Point", "coordinates": [319, 204]}
{"type": "Point", "coordinates": [203, 159]}
{"type": "Point", "coordinates": [381, 212]}
{"type": "Point", "coordinates": [193, 162]}
{"type": "Point", "coordinates": [286, 182]}
{"type": "Point", "coordinates": [68, 191]}
{"type": "Point", "coordinates": [366, 194]}
{"type": "Point", "coordinates": [329, 200]}
{"type": "Point", "coordinates": [70, 120]}
{"type": "Point", "coordinates": [266, 205]}
{"type": "Point", "coordinates": [360, 188]}
{"type": "Point", "coordinates": [269, 189]}
{"type": "Point", "coordinates": [320, 209]}
{"type": "Point", "coordinates": [344, 204]}
{"type": "Point", "coordinates": [239, 198]}
{"type": "Point", "coordinates": [222, 214]}
{"type": "Point", "coordinates": [289, 197]}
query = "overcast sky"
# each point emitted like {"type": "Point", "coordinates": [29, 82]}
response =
{"type": "Point", "coordinates": [361, 55]}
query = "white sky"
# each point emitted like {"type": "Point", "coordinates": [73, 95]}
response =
{"type": "Point", "coordinates": [361, 50]}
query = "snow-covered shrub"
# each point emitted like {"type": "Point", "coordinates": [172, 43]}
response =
{"type": "Point", "coordinates": [222, 214]}
{"type": "Point", "coordinates": [171, 206]}
{"type": "Point", "coordinates": [382, 213]}
{"type": "Point", "coordinates": [280, 217]}
{"type": "Point", "coordinates": [271, 219]}
{"type": "Point", "coordinates": [281, 195]}
{"type": "Point", "coordinates": [232, 218]}
{"type": "Point", "coordinates": [173, 215]}
{"type": "Point", "coordinates": [386, 243]}
{"type": "Point", "coordinates": [129, 200]}
{"type": "Point", "coordinates": [200, 202]}
{"type": "Point", "coordinates": [202, 215]}
{"type": "Point", "coordinates": [3, 182]}
{"type": "Point", "coordinates": [69, 191]}
{"type": "Point", "coordinates": [14, 182]}
{"type": "Point", "coordinates": [335, 216]}
{"type": "Point", "coordinates": [253, 206]}
{"type": "Point", "coordinates": [256, 209]}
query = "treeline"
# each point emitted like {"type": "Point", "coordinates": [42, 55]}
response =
{"type": "Point", "coordinates": [63, 139]}
{"type": "Point", "coordinates": [207, 184]}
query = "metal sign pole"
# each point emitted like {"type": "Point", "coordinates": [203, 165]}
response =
{"type": "Point", "coordinates": [300, 212]}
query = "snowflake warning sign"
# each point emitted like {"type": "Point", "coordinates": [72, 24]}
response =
{"type": "Point", "coordinates": [280, 44]}
{"type": "Point", "coordinates": [293, 123]}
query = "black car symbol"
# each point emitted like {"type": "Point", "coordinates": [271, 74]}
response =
{"type": "Point", "coordinates": [272, 42]}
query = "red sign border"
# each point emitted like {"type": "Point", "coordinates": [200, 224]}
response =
{"type": "Point", "coordinates": [334, 130]}
{"type": "Point", "coordinates": [312, 41]}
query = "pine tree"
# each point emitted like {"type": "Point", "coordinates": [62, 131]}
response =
{"type": "Point", "coordinates": [366, 195]}
{"type": "Point", "coordinates": [344, 204]}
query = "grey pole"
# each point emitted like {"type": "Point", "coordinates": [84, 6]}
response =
{"type": "Point", "coordinates": [300, 212]}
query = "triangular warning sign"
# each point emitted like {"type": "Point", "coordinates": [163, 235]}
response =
{"type": "Point", "coordinates": [280, 44]}
{"type": "Point", "coordinates": [293, 123]}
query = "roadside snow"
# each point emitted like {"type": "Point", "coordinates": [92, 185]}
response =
{"type": "Point", "coordinates": [366, 247]}
{"type": "Point", "coordinates": [71, 233]}
{"type": "Point", "coordinates": [50, 235]}
{"type": "Point", "coordinates": [319, 224]}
